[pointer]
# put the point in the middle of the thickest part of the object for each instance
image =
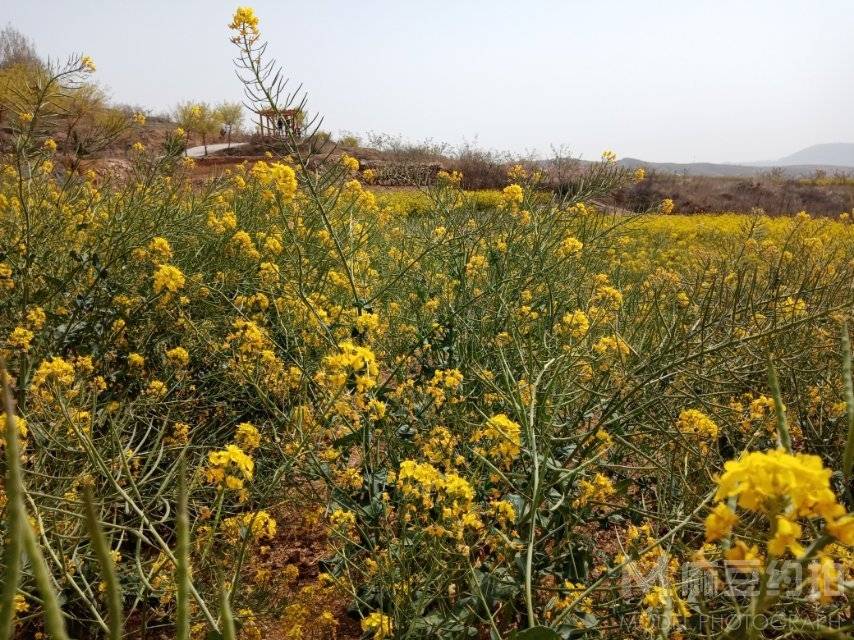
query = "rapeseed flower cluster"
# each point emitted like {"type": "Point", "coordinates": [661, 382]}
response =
{"type": "Point", "coordinates": [278, 179]}
{"type": "Point", "coordinates": [499, 439]}
{"type": "Point", "coordinates": [352, 363]}
{"type": "Point", "coordinates": [784, 487]}
{"type": "Point", "coordinates": [230, 468]}
{"type": "Point", "coordinates": [245, 22]}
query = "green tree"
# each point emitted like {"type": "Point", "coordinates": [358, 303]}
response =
{"type": "Point", "coordinates": [198, 118]}
{"type": "Point", "coordinates": [230, 114]}
{"type": "Point", "coordinates": [18, 63]}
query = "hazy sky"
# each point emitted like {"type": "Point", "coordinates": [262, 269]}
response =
{"type": "Point", "coordinates": [669, 80]}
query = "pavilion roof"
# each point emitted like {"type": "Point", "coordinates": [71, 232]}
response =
{"type": "Point", "coordinates": [273, 113]}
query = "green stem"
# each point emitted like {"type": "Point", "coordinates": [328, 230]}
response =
{"type": "Point", "coordinates": [780, 410]}
{"type": "Point", "coordinates": [12, 552]}
{"type": "Point", "coordinates": [108, 567]}
{"type": "Point", "coordinates": [182, 556]}
{"type": "Point", "coordinates": [535, 498]}
{"type": "Point", "coordinates": [228, 632]}
{"type": "Point", "coordinates": [848, 457]}
{"type": "Point", "coordinates": [54, 622]}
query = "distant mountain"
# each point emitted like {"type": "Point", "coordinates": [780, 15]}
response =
{"type": "Point", "coordinates": [839, 154]}
{"type": "Point", "coordinates": [735, 170]}
{"type": "Point", "coordinates": [832, 158]}
{"type": "Point", "coordinates": [694, 168]}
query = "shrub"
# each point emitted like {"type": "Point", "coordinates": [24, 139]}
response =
{"type": "Point", "coordinates": [347, 139]}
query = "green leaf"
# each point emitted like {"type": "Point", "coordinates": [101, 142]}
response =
{"type": "Point", "coordinates": [536, 633]}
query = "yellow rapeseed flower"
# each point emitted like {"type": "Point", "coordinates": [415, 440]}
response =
{"type": "Point", "coordinates": [513, 195]}
{"type": "Point", "coordinates": [499, 439]}
{"type": "Point", "coordinates": [245, 22]}
{"type": "Point", "coordinates": [719, 522]}
{"type": "Point", "coordinates": [20, 338]}
{"type": "Point", "coordinates": [168, 278]}
{"type": "Point", "coordinates": [378, 624]}
{"type": "Point", "coordinates": [178, 356]}
{"type": "Point", "coordinates": [247, 437]}
{"type": "Point", "coordinates": [762, 479]}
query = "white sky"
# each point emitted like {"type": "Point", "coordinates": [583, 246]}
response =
{"type": "Point", "coordinates": [668, 80]}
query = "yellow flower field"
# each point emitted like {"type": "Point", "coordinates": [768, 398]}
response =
{"type": "Point", "coordinates": [497, 414]}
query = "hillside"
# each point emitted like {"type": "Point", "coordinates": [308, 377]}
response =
{"type": "Point", "coordinates": [835, 153]}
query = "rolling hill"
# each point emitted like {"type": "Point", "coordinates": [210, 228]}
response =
{"type": "Point", "coordinates": [839, 154]}
{"type": "Point", "coordinates": [831, 158]}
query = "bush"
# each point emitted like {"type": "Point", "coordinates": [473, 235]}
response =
{"type": "Point", "coordinates": [347, 139]}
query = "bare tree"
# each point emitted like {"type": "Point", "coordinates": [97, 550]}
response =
{"type": "Point", "coordinates": [16, 48]}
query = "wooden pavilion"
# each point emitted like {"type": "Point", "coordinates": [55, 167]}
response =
{"type": "Point", "coordinates": [277, 124]}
